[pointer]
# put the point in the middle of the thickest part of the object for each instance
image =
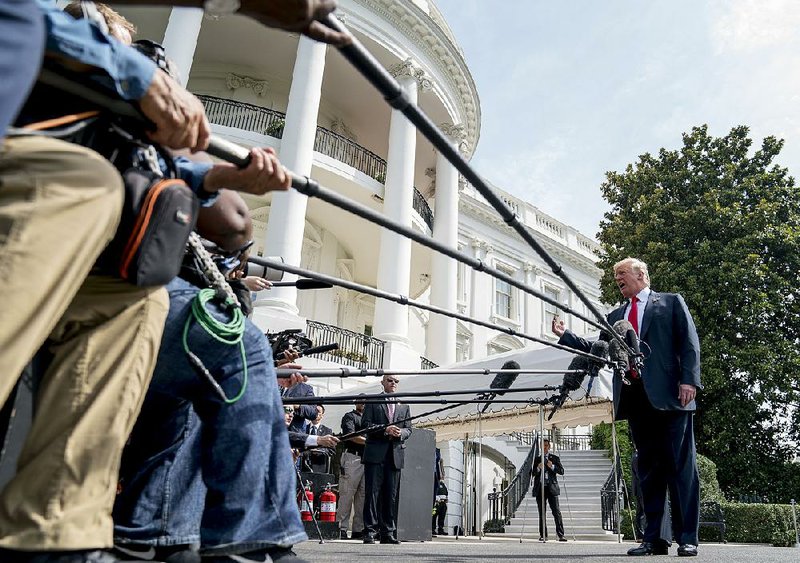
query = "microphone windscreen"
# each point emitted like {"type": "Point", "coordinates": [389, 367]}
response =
{"type": "Point", "coordinates": [617, 354]}
{"type": "Point", "coordinates": [572, 381]}
{"type": "Point", "coordinates": [504, 380]}
{"type": "Point", "coordinates": [600, 349]}
{"type": "Point", "coordinates": [622, 326]}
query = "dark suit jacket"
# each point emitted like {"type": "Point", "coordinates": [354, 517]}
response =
{"type": "Point", "coordinates": [669, 331]}
{"type": "Point", "coordinates": [552, 474]}
{"type": "Point", "coordinates": [306, 412]}
{"type": "Point", "coordinates": [378, 444]}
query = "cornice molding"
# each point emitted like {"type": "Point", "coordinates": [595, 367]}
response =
{"type": "Point", "coordinates": [421, 30]}
{"type": "Point", "coordinates": [411, 69]}
{"type": "Point", "coordinates": [235, 81]}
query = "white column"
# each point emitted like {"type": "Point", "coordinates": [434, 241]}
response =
{"type": "Point", "coordinates": [180, 38]}
{"type": "Point", "coordinates": [441, 335]}
{"type": "Point", "coordinates": [481, 299]}
{"type": "Point", "coordinates": [287, 214]}
{"type": "Point", "coordinates": [530, 324]}
{"type": "Point", "coordinates": [394, 262]}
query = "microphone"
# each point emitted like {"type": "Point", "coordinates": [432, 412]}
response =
{"type": "Point", "coordinates": [571, 382]}
{"type": "Point", "coordinates": [625, 362]}
{"type": "Point", "coordinates": [313, 350]}
{"type": "Point", "coordinates": [501, 381]}
{"type": "Point", "coordinates": [599, 348]}
{"type": "Point", "coordinates": [304, 283]}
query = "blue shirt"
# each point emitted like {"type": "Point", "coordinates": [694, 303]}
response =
{"type": "Point", "coordinates": [21, 48]}
{"type": "Point", "coordinates": [125, 70]}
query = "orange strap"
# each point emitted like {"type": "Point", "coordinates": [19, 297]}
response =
{"type": "Point", "coordinates": [61, 121]}
{"type": "Point", "coordinates": [141, 223]}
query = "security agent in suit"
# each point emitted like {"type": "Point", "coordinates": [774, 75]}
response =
{"type": "Point", "coordinates": [552, 470]}
{"type": "Point", "coordinates": [383, 459]}
{"type": "Point", "coordinates": [318, 459]}
{"type": "Point", "coordinates": [659, 405]}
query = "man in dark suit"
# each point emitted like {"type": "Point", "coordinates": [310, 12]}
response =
{"type": "Point", "coordinates": [383, 459]}
{"type": "Point", "coordinates": [659, 404]}
{"type": "Point", "coordinates": [318, 459]}
{"type": "Point", "coordinates": [552, 470]}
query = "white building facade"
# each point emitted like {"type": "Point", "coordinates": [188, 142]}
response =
{"type": "Point", "coordinates": [265, 87]}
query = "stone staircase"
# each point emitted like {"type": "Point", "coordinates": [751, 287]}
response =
{"type": "Point", "coordinates": [585, 471]}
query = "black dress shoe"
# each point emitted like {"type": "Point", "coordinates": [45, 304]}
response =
{"type": "Point", "coordinates": [356, 535]}
{"type": "Point", "coordinates": [562, 538]}
{"type": "Point", "coordinates": [442, 532]}
{"type": "Point", "coordinates": [368, 539]}
{"type": "Point", "coordinates": [687, 550]}
{"type": "Point", "coordinates": [390, 540]}
{"type": "Point", "coordinates": [649, 548]}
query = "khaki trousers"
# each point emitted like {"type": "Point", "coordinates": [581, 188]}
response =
{"type": "Point", "coordinates": [351, 493]}
{"type": "Point", "coordinates": [58, 207]}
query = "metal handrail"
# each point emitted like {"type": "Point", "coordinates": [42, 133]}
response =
{"type": "Point", "coordinates": [609, 506]}
{"type": "Point", "coordinates": [421, 206]}
{"type": "Point", "coordinates": [355, 349]}
{"type": "Point", "coordinates": [505, 503]}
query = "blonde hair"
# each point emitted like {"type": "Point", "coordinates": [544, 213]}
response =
{"type": "Point", "coordinates": [114, 20]}
{"type": "Point", "coordinates": [636, 265]}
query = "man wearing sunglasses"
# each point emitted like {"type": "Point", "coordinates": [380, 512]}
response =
{"type": "Point", "coordinates": [384, 453]}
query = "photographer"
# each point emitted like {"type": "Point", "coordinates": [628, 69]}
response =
{"type": "Point", "coordinates": [200, 467]}
{"type": "Point", "coordinates": [552, 469]}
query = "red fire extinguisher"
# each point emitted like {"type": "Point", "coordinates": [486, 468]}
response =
{"type": "Point", "coordinates": [327, 501]}
{"type": "Point", "coordinates": [305, 513]}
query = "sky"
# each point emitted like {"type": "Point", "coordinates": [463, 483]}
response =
{"type": "Point", "coordinates": [570, 89]}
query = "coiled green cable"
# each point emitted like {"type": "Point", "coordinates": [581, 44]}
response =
{"type": "Point", "coordinates": [228, 333]}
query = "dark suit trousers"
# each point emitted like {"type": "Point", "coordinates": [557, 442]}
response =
{"type": "Point", "coordinates": [552, 500]}
{"type": "Point", "coordinates": [667, 461]}
{"type": "Point", "coordinates": [381, 488]}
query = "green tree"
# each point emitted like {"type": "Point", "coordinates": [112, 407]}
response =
{"type": "Point", "coordinates": [720, 223]}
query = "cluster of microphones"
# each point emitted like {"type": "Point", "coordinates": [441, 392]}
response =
{"type": "Point", "coordinates": [606, 351]}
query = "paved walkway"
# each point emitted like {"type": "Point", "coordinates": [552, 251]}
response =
{"type": "Point", "coordinates": [497, 550]}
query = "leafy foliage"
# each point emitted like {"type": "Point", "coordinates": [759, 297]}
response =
{"type": "Point", "coordinates": [720, 224]}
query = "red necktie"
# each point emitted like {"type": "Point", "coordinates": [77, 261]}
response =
{"type": "Point", "coordinates": [633, 314]}
{"type": "Point", "coordinates": [633, 318]}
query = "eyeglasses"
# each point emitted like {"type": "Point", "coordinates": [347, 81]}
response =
{"type": "Point", "coordinates": [288, 410]}
{"type": "Point", "coordinates": [229, 260]}
{"type": "Point", "coordinates": [392, 380]}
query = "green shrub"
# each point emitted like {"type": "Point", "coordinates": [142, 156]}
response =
{"type": "Point", "coordinates": [494, 526]}
{"type": "Point", "coordinates": [759, 523]}
{"type": "Point", "coordinates": [709, 486]}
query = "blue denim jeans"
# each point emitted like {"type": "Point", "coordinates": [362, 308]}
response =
{"type": "Point", "coordinates": [197, 469]}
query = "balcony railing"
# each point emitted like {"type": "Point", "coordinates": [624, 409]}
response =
{"type": "Point", "coordinates": [347, 151]}
{"type": "Point", "coordinates": [355, 349]}
{"type": "Point", "coordinates": [421, 206]}
{"type": "Point", "coordinates": [244, 116]}
{"type": "Point", "coordinates": [267, 121]}
{"type": "Point", "coordinates": [425, 363]}
{"type": "Point", "coordinates": [560, 441]}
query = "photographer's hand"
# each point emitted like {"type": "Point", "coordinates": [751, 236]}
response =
{"type": "Point", "coordinates": [256, 283]}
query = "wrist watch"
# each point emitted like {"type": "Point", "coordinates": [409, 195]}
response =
{"type": "Point", "coordinates": [221, 7]}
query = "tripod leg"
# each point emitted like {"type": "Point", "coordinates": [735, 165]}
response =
{"type": "Point", "coordinates": [308, 504]}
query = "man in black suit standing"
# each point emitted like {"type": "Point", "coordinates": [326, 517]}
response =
{"type": "Point", "coordinates": [383, 459]}
{"type": "Point", "coordinates": [659, 404]}
{"type": "Point", "coordinates": [318, 458]}
{"type": "Point", "coordinates": [552, 470]}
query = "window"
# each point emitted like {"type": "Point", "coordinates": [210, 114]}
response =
{"type": "Point", "coordinates": [503, 299]}
{"type": "Point", "coordinates": [550, 311]}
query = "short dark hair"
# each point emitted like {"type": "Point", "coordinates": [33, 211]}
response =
{"type": "Point", "coordinates": [546, 440]}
